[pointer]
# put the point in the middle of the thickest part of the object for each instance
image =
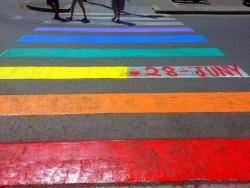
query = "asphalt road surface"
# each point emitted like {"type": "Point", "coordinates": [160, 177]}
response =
{"type": "Point", "coordinates": [229, 34]}
{"type": "Point", "coordinates": [169, 76]}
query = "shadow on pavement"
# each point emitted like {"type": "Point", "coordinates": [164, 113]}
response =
{"type": "Point", "coordinates": [204, 2]}
{"type": "Point", "coordinates": [126, 13]}
{"type": "Point", "coordinates": [126, 23]}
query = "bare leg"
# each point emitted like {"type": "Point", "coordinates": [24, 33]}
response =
{"type": "Point", "coordinates": [118, 12]}
{"type": "Point", "coordinates": [72, 9]}
{"type": "Point", "coordinates": [55, 7]}
{"type": "Point", "coordinates": [114, 8]}
{"type": "Point", "coordinates": [115, 15]}
{"type": "Point", "coordinates": [83, 8]}
{"type": "Point", "coordinates": [118, 15]}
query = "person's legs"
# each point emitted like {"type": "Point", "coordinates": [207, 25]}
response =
{"type": "Point", "coordinates": [83, 9]}
{"type": "Point", "coordinates": [118, 15]}
{"type": "Point", "coordinates": [73, 4]}
{"type": "Point", "coordinates": [118, 10]}
{"type": "Point", "coordinates": [55, 7]}
{"type": "Point", "coordinates": [114, 8]}
{"type": "Point", "coordinates": [120, 7]}
{"type": "Point", "coordinates": [115, 15]}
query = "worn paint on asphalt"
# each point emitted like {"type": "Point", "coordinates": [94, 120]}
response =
{"type": "Point", "coordinates": [125, 161]}
{"type": "Point", "coordinates": [128, 18]}
{"type": "Point", "coordinates": [27, 72]}
{"type": "Point", "coordinates": [115, 30]}
{"type": "Point", "coordinates": [123, 23]}
{"type": "Point", "coordinates": [111, 53]}
{"type": "Point", "coordinates": [61, 104]}
{"type": "Point", "coordinates": [214, 71]}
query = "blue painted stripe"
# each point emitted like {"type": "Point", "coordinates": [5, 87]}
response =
{"type": "Point", "coordinates": [112, 39]}
{"type": "Point", "coordinates": [115, 30]}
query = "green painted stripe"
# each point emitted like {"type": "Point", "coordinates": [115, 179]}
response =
{"type": "Point", "coordinates": [109, 53]}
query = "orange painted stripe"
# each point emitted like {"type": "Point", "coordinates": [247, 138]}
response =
{"type": "Point", "coordinates": [124, 103]}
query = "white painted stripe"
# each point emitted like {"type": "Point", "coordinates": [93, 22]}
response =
{"type": "Point", "coordinates": [112, 23]}
{"type": "Point", "coordinates": [112, 14]}
{"type": "Point", "coordinates": [224, 71]}
{"type": "Point", "coordinates": [129, 18]}
{"type": "Point", "coordinates": [17, 17]}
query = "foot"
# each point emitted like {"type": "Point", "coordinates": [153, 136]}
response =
{"type": "Point", "coordinates": [57, 17]}
{"type": "Point", "coordinates": [113, 19]}
{"type": "Point", "coordinates": [70, 19]}
{"type": "Point", "coordinates": [118, 21]}
{"type": "Point", "coordinates": [85, 20]}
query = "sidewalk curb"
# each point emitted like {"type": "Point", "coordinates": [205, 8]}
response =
{"type": "Point", "coordinates": [44, 9]}
{"type": "Point", "coordinates": [158, 10]}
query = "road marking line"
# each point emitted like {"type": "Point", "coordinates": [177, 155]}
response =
{"type": "Point", "coordinates": [18, 17]}
{"type": "Point", "coordinates": [212, 71]}
{"type": "Point", "coordinates": [62, 72]}
{"type": "Point", "coordinates": [112, 14]}
{"type": "Point", "coordinates": [90, 14]}
{"type": "Point", "coordinates": [50, 73]}
{"type": "Point", "coordinates": [61, 104]}
{"type": "Point", "coordinates": [118, 24]}
{"type": "Point", "coordinates": [2, 53]}
{"type": "Point", "coordinates": [108, 18]}
{"type": "Point", "coordinates": [116, 30]}
{"type": "Point", "coordinates": [111, 39]}
{"type": "Point", "coordinates": [124, 161]}
{"type": "Point", "coordinates": [129, 23]}
{"type": "Point", "coordinates": [111, 53]}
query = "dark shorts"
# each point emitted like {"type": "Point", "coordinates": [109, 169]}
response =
{"type": "Point", "coordinates": [49, 2]}
{"type": "Point", "coordinates": [118, 4]}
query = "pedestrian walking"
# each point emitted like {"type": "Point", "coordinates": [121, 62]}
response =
{"type": "Point", "coordinates": [117, 6]}
{"type": "Point", "coordinates": [55, 7]}
{"type": "Point", "coordinates": [85, 19]}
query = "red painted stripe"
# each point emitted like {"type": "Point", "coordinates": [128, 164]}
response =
{"type": "Point", "coordinates": [125, 161]}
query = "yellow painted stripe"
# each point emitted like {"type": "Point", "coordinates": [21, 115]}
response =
{"type": "Point", "coordinates": [60, 104]}
{"type": "Point", "coordinates": [7, 73]}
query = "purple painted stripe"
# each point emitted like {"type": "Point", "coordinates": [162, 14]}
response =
{"type": "Point", "coordinates": [117, 30]}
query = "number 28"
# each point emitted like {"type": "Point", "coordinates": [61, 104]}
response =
{"type": "Point", "coordinates": [154, 71]}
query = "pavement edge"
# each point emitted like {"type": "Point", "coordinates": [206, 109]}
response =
{"type": "Point", "coordinates": [159, 10]}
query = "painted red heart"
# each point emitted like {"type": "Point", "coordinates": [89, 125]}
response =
{"type": "Point", "coordinates": [134, 73]}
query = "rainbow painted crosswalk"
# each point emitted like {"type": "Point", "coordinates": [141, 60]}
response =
{"type": "Point", "coordinates": [110, 52]}
{"type": "Point", "coordinates": [157, 39]}
{"type": "Point", "coordinates": [55, 73]}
